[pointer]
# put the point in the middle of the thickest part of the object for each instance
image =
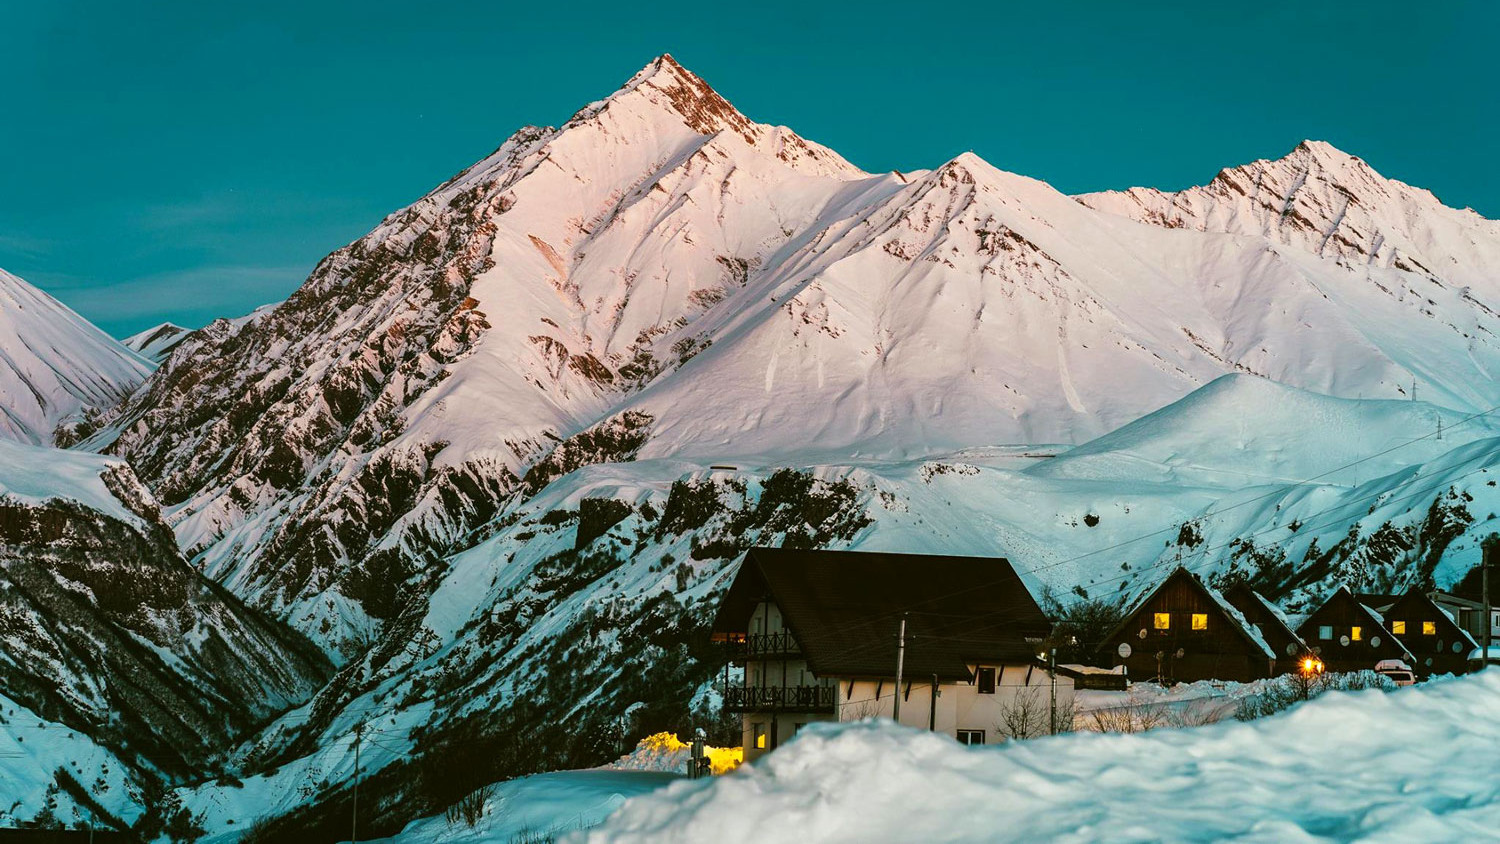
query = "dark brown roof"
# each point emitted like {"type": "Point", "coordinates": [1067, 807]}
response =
{"type": "Point", "coordinates": [845, 608]}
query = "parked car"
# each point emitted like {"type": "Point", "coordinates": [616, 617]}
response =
{"type": "Point", "coordinates": [1396, 670]}
{"type": "Point", "coordinates": [1477, 658]}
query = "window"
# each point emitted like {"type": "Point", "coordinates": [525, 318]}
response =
{"type": "Point", "coordinates": [1429, 628]}
{"type": "Point", "coordinates": [1398, 627]}
{"type": "Point", "coordinates": [1200, 621]}
{"type": "Point", "coordinates": [1356, 633]}
{"type": "Point", "coordinates": [971, 737]}
{"type": "Point", "coordinates": [758, 731]}
{"type": "Point", "coordinates": [1325, 632]}
{"type": "Point", "coordinates": [1162, 621]}
{"type": "Point", "coordinates": [986, 681]}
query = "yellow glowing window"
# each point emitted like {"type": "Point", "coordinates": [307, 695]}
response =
{"type": "Point", "coordinates": [1356, 633]}
{"type": "Point", "coordinates": [1162, 621]}
{"type": "Point", "coordinates": [760, 735]}
{"type": "Point", "coordinates": [1429, 628]}
{"type": "Point", "coordinates": [1200, 621]}
{"type": "Point", "coordinates": [1398, 627]}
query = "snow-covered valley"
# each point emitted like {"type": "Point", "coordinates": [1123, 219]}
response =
{"type": "Point", "coordinates": [466, 499]}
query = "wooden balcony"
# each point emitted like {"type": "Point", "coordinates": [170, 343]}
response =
{"type": "Point", "coordinates": [780, 699]}
{"type": "Point", "coordinates": [758, 646]}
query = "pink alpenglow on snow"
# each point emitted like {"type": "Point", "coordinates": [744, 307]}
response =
{"type": "Point", "coordinates": [1368, 766]}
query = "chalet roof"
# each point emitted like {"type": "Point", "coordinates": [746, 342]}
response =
{"type": "Point", "coordinates": [1245, 599]}
{"type": "Point", "coordinates": [844, 609]}
{"type": "Point", "coordinates": [1378, 601]}
{"type": "Point", "coordinates": [1417, 597]}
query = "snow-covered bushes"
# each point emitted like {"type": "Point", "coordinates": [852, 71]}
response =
{"type": "Point", "coordinates": [1283, 692]}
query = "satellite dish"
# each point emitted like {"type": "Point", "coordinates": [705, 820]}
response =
{"type": "Point", "coordinates": [1344, 640]}
{"type": "Point", "coordinates": [1181, 653]}
{"type": "Point", "coordinates": [1374, 641]}
{"type": "Point", "coordinates": [1124, 650]}
{"type": "Point", "coordinates": [1291, 648]}
{"type": "Point", "coordinates": [1458, 647]}
{"type": "Point", "coordinates": [1143, 632]}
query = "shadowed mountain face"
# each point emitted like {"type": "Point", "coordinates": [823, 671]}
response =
{"type": "Point", "coordinates": [108, 630]}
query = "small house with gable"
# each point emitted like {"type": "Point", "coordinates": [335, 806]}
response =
{"type": "Point", "coordinates": [1434, 638]}
{"type": "Point", "coordinates": [1183, 631]}
{"type": "Point", "coordinates": [815, 634]}
{"type": "Point", "coordinates": [1348, 635]}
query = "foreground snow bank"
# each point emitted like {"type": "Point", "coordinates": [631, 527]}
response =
{"type": "Point", "coordinates": [539, 807]}
{"type": "Point", "coordinates": [1411, 765]}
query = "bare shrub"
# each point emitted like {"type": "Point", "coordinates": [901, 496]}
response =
{"type": "Point", "coordinates": [1028, 714]}
{"type": "Point", "coordinates": [1198, 713]}
{"type": "Point", "coordinates": [1130, 718]}
{"type": "Point", "coordinates": [470, 808]}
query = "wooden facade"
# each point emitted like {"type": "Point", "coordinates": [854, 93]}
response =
{"type": "Point", "coordinates": [1349, 636]}
{"type": "Point", "coordinates": [1437, 642]}
{"type": "Point", "coordinates": [1183, 631]}
{"type": "Point", "coordinates": [1271, 624]}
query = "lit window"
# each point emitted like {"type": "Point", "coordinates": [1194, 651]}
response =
{"type": "Point", "coordinates": [760, 735]}
{"type": "Point", "coordinates": [1429, 628]}
{"type": "Point", "coordinates": [1356, 634]}
{"type": "Point", "coordinates": [1200, 621]}
{"type": "Point", "coordinates": [1325, 632]}
{"type": "Point", "coordinates": [1162, 621]}
{"type": "Point", "coordinates": [1398, 627]}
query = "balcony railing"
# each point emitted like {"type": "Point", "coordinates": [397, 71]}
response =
{"type": "Point", "coordinates": [779, 699]}
{"type": "Point", "coordinates": [765, 645]}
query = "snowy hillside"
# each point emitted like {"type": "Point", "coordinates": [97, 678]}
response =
{"type": "Point", "coordinates": [55, 366]}
{"type": "Point", "coordinates": [498, 456]}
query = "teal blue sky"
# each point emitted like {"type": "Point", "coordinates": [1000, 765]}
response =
{"type": "Point", "coordinates": [186, 160]}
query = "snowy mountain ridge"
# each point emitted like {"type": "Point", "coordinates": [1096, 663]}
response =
{"type": "Point", "coordinates": [55, 366]}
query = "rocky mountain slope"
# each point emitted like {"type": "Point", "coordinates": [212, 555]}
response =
{"type": "Point", "coordinates": [108, 630]}
{"type": "Point", "coordinates": [498, 456]}
{"type": "Point", "coordinates": [56, 368]}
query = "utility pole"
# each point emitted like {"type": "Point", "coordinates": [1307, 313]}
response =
{"type": "Point", "coordinates": [354, 824]}
{"type": "Point", "coordinates": [900, 664]}
{"type": "Point", "coordinates": [1484, 588]}
{"type": "Point", "coordinates": [1052, 670]}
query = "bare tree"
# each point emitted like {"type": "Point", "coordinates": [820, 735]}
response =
{"type": "Point", "coordinates": [1024, 715]}
{"type": "Point", "coordinates": [1028, 714]}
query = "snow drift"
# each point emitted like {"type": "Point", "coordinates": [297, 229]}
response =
{"type": "Point", "coordinates": [1411, 765]}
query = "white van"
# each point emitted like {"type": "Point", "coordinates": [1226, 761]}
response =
{"type": "Point", "coordinates": [1396, 670]}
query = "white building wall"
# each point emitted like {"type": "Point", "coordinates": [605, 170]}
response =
{"type": "Point", "coordinates": [960, 706]}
